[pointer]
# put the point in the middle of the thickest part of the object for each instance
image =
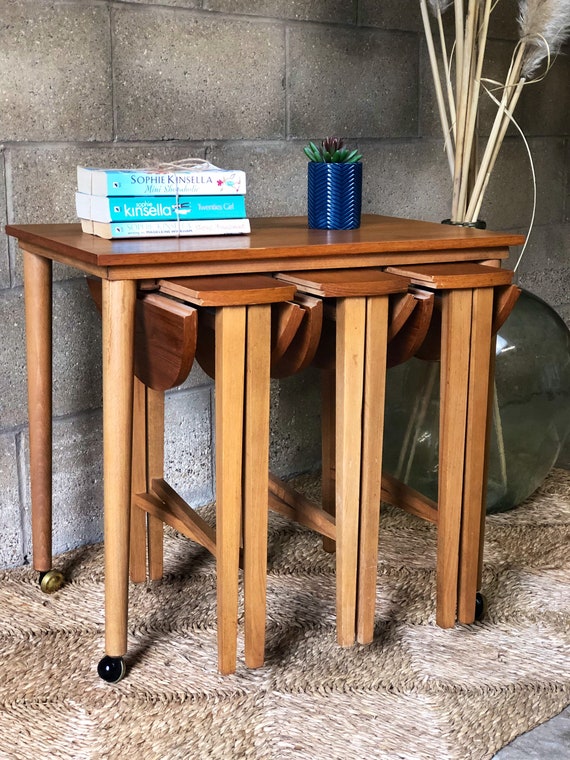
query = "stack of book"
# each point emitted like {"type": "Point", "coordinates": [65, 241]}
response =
{"type": "Point", "coordinates": [126, 203]}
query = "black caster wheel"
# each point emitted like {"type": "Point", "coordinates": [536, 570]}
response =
{"type": "Point", "coordinates": [480, 606]}
{"type": "Point", "coordinates": [112, 669]}
{"type": "Point", "coordinates": [51, 581]}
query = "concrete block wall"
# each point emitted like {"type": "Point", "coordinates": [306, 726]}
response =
{"type": "Point", "coordinates": [245, 84]}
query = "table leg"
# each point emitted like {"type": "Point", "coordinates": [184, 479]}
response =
{"type": "Point", "coordinates": [350, 342]}
{"type": "Point", "coordinates": [371, 479]}
{"type": "Point", "coordinates": [328, 413]}
{"type": "Point", "coordinates": [118, 340]}
{"type": "Point", "coordinates": [38, 307]}
{"type": "Point", "coordinates": [138, 539]}
{"type": "Point", "coordinates": [472, 523]}
{"type": "Point", "coordinates": [455, 341]}
{"type": "Point", "coordinates": [256, 481]}
{"type": "Point", "coordinates": [229, 389]}
{"type": "Point", "coordinates": [155, 470]}
{"type": "Point", "coordinates": [147, 465]}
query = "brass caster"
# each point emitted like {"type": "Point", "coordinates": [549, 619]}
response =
{"type": "Point", "coordinates": [112, 669]}
{"type": "Point", "coordinates": [51, 581]}
{"type": "Point", "coordinates": [480, 606]}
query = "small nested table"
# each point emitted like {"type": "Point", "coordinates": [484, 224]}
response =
{"type": "Point", "coordinates": [472, 291]}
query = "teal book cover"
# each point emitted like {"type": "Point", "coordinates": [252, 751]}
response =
{"type": "Point", "coordinates": [159, 208]}
{"type": "Point", "coordinates": [124, 182]}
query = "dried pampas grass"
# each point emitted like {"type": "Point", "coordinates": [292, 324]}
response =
{"type": "Point", "coordinates": [544, 27]}
{"type": "Point", "coordinates": [439, 6]}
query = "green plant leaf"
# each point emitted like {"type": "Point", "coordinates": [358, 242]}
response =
{"type": "Point", "coordinates": [312, 152]}
{"type": "Point", "coordinates": [353, 157]}
{"type": "Point", "coordinates": [331, 151]}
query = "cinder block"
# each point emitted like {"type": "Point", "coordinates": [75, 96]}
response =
{"type": "Point", "coordinates": [219, 78]}
{"type": "Point", "coordinates": [544, 108]}
{"type": "Point", "coordinates": [509, 197]}
{"type": "Point", "coordinates": [77, 357]}
{"type": "Point", "coordinates": [196, 379]}
{"type": "Point", "coordinates": [387, 185]}
{"type": "Point", "coordinates": [547, 249]}
{"type": "Point", "coordinates": [276, 174]}
{"type": "Point", "coordinates": [339, 11]}
{"type": "Point", "coordinates": [188, 452]}
{"type": "Point", "coordinates": [43, 183]}
{"type": "Point", "coordinates": [4, 250]}
{"type": "Point", "coordinates": [550, 285]}
{"type": "Point", "coordinates": [353, 83]}
{"type": "Point", "coordinates": [295, 440]}
{"type": "Point", "coordinates": [169, 3]}
{"type": "Point", "coordinates": [390, 14]}
{"type": "Point", "coordinates": [429, 121]}
{"type": "Point", "coordinates": [55, 63]}
{"type": "Point", "coordinates": [11, 545]}
{"type": "Point", "coordinates": [13, 398]}
{"type": "Point", "coordinates": [77, 483]}
{"type": "Point", "coordinates": [503, 22]}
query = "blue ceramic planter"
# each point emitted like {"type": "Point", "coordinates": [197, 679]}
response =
{"type": "Point", "coordinates": [334, 196]}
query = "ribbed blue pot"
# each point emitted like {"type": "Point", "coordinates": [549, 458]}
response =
{"type": "Point", "coordinates": [334, 196]}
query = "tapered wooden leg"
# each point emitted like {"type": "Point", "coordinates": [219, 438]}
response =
{"type": "Point", "coordinates": [371, 478]}
{"type": "Point", "coordinates": [475, 453]}
{"type": "Point", "coordinates": [155, 470]}
{"type": "Point", "coordinates": [38, 306]}
{"type": "Point", "coordinates": [229, 389]}
{"type": "Point", "coordinates": [256, 481]}
{"type": "Point", "coordinates": [139, 485]}
{"type": "Point", "coordinates": [455, 341]}
{"type": "Point", "coordinates": [328, 403]}
{"type": "Point", "coordinates": [118, 333]}
{"type": "Point", "coordinates": [490, 410]}
{"type": "Point", "coordinates": [147, 464]}
{"type": "Point", "coordinates": [350, 316]}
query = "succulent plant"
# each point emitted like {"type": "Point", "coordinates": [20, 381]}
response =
{"type": "Point", "coordinates": [331, 151]}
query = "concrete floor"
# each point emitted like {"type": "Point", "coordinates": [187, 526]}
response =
{"type": "Point", "coordinates": [550, 741]}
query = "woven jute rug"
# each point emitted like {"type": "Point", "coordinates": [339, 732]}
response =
{"type": "Point", "coordinates": [417, 692]}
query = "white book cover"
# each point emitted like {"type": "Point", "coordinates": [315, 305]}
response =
{"type": "Point", "coordinates": [183, 228]}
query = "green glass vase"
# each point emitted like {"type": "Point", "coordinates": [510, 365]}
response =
{"type": "Point", "coordinates": [531, 415]}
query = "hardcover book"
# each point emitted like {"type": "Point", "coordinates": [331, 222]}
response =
{"type": "Point", "coordinates": [158, 208]}
{"type": "Point", "coordinates": [125, 182]}
{"type": "Point", "coordinates": [182, 228]}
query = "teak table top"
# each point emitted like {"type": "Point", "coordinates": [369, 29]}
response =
{"type": "Point", "coordinates": [274, 243]}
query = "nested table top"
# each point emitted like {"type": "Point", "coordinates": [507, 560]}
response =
{"type": "Point", "coordinates": [274, 243]}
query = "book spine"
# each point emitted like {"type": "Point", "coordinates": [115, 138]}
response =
{"type": "Point", "coordinates": [159, 208]}
{"type": "Point", "coordinates": [167, 229]}
{"type": "Point", "coordinates": [108, 182]}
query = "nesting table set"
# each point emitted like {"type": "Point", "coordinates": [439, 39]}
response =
{"type": "Point", "coordinates": [382, 282]}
